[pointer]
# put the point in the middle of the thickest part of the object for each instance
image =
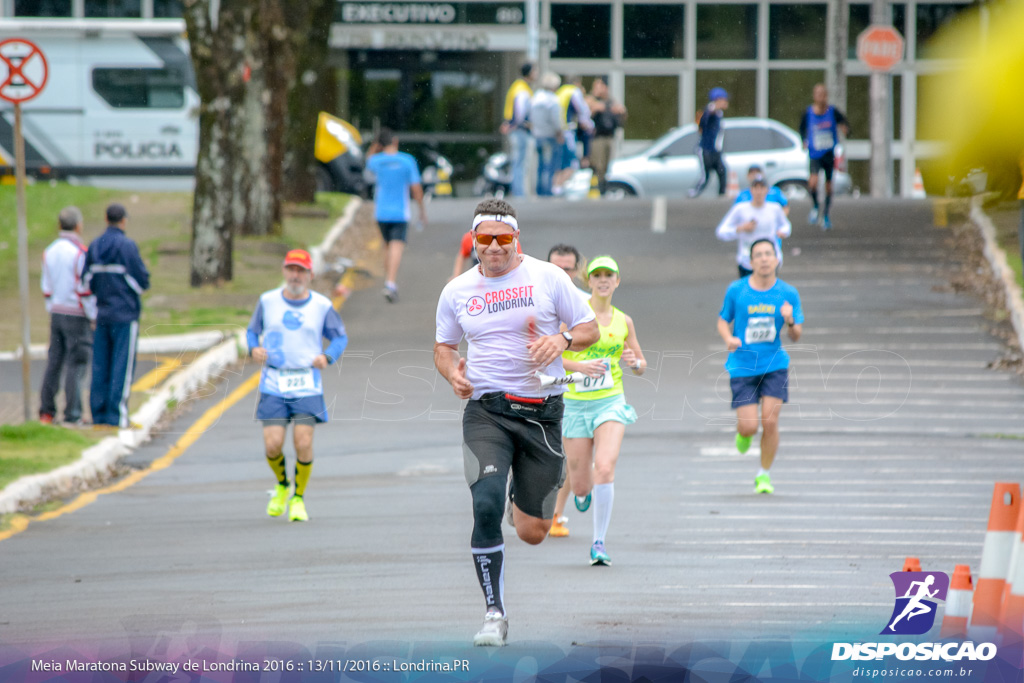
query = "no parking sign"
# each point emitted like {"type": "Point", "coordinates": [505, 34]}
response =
{"type": "Point", "coordinates": [23, 74]}
{"type": "Point", "coordinates": [23, 70]}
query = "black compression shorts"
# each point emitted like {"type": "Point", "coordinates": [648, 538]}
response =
{"type": "Point", "coordinates": [498, 436]}
{"type": "Point", "coordinates": [827, 163]}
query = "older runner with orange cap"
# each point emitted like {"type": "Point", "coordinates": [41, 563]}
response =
{"type": "Point", "coordinates": [285, 335]}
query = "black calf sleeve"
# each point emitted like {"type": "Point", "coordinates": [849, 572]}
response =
{"type": "Point", "coordinates": [488, 510]}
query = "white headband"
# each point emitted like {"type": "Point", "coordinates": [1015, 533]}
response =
{"type": "Point", "coordinates": [507, 220]}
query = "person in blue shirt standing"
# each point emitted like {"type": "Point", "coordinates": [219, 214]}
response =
{"type": "Point", "coordinates": [711, 139]}
{"type": "Point", "coordinates": [286, 334]}
{"type": "Point", "coordinates": [755, 310]}
{"type": "Point", "coordinates": [115, 274]}
{"type": "Point", "coordinates": [397, 176]}
{"type": "Point", "coordinates": [774, 195]}
{"type": "Point", "coordinates": [819, 129]}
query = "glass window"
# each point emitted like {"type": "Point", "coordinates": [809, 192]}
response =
{"type": "Point", "coordinates": [42, 8]}
{"type": "Point", "coordinates": [797, 32]}
{"type": "Point", "coordinates": [789, 93]}
{"type": "Point", "coordinates": [858, 107]}
{"type": "Point", "coordinates": [140, 88]}
{"type": "Point", "coordinates": [748, 139]}
{"type": "Point", "coordinates": [653, 106]}
{"type": "Point", "coordinates": [684, 146]}
{"type": "Point", "coordinates": [652, 32]}
{"type": "Point", "coordinates": [584, 31]}
{"type": "Point", "coordinates": [931, 18]}
{"type": "Point", "coordinates": [741, 86]}
{"type": "Point", "coordinates": [113, 9]}
{"type": "Point", "coordinates": [726, 31]}
{"type": "Point", "coordinates": [167, 9]}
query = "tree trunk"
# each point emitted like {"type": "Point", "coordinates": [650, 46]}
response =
{"type": "Point", "coordinates": [311, 91]}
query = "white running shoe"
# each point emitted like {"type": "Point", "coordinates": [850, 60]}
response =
{"type": "Point", "coordinates": [494, 632]}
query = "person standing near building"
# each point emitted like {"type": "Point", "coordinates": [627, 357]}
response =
{"type": "Point", "coordinates": [547, 125]}
{"type": "Point", "coordinates": [72, 314]}
{"type": "Point", "coordinates": [712, 138]}
{"type": "Point", "coordinates": [286, 334]}
{"type": "Point", "coordinates": [568, 258]}
{"type": "Point", "coordinates": [755, 310]}
{"type": "Point", "coordinates": [578, 125]}
{"type": "Point", "coordinates": [115, 273]}
{"type": "Point", "coordinates": [508, 309]}
{"type": "Point", "coordinates": [596, 412]}
{"type": "Point", "coordinates": [516, 126]}
{"type": "Point", "coordinates": [819, 128]}
{"type": "Point", "coordinates": [608, 115]}
{"type": "Point", "coordinates": [397, 176]}
{"type": "Point", "coordinates": [747, 222]}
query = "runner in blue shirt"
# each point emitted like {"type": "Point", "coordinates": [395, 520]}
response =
{"type": "Point", "coordinates": [754, 312]}
{"type": "Point", "coordinates": [397, 175]}
{"type": "Point", "coordinates": [774, 193]}
{"type": "Point", "coordinates": [819, 129]}
{"type": "Point", "coordinates": [712, 137]}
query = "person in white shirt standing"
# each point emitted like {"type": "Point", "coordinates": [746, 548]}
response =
{"type": "Point", "coordinates": [72, 315]}
{"type": "Point", "coordinates": [547, 123]}
{"type": "Point", "coordinates": [508, 309]}
{"type": "Point", "coordinates": [747, 222]}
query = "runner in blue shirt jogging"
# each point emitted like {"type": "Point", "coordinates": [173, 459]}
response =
{"type": "Point", "coordinates": [754, 312]}
{"type": "Point", "coordinates": [819, 129]}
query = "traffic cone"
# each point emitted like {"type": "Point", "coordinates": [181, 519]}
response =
{"type": "Point", "coordinates": [995, 561]}
{"type": "Point", "coordinates": [1011, 616]}
{"type": "Point", "coordinates": [911, 564]}
{"type": "Point", "coordinates": [733, 187]}
{"type": "Point", "coordinates": [918, 192]}
{"type": "Point", "coordinates": [958, 604]}
{"type": "Point", "coordinates": [595, 189]}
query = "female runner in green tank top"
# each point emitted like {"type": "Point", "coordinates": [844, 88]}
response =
{"type": "Point", "coordinates": [596, 413]}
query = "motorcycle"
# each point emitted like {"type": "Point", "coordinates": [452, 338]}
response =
{"type": "Point", "coordinates": [436, 178]}
{"type": "Point", "coordinates": [496, 178]}
{"type": "Point", "coordinates": [339, 156]}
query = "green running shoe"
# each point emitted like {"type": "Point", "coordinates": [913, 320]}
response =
{"type": "Point", "coordinates": [278, 501]}
{"type": "Point", "coordinates": [297, 510]}
{"type": "Point", "coordinates": [763, 484]}
{"type": "Point", "coordinates": [743, 442]}
{"type": "Point", "coordinates": [582, 504]}
{"type": "Point", "coordinates": [598, 556]}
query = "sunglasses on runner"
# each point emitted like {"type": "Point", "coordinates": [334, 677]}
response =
{"type": "Point", "coordinates": [504, 239]}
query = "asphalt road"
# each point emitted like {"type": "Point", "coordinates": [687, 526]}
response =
{"type": "Point", "coordinates": [890, 446]}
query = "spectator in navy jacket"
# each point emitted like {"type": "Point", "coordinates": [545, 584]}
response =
{"type": "Point", "coordinates": [115, 273]}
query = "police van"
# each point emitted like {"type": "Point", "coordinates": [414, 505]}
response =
{"type": "Point", "coordinates": [120, 100]}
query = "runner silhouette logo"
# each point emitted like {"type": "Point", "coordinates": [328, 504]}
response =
{"type": "Point", "coordinates": [916, 596]}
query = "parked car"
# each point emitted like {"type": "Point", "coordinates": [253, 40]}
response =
{"type": "Point", "coordinates": [670, 166]}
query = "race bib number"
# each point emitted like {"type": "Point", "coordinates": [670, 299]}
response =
{"type": "Point", "coordinates": [760, 331]}
{"type": "Point", "coordinates": [603, 381]}
{"type": "Point", "coordinates": [823, 139]}
{"type": "Point", "coordinates": [295, 381]}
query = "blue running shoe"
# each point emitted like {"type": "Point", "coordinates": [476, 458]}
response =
{"type": "Point", "coordinates": [582, 504]}
{"type": "Point", "coordinates": [598, 556]}
{"type": "Point", "coordinates": [827, 224]}
{"type": "Point", "coordinates": [812, 217]}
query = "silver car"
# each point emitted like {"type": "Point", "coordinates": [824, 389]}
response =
{"type": "Point", "coordinates": [671, 167]}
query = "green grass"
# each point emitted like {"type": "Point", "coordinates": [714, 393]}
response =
{"type": "Point", "coordinates": [32, 448]}
{"type": "Point", "coordinates": [1006, 218]}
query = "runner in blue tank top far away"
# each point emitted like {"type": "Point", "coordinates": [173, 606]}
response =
{"type": "Point", "coordinates": [819, 129]}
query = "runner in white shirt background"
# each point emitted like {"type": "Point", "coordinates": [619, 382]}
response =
{"type": "Point", "coordinates": [747, 222]}
{"type": "Point", "coordinates": [508, 309]}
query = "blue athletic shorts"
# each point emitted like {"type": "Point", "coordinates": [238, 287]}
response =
{"type": "Point", "coordinates": [748, 390]}
{"type": "Point", "coordinates": [393, 231]}
{"type": "Point", "coordinates": [279, 410]}
{"type": "Point", "coordinates": [583, 417]}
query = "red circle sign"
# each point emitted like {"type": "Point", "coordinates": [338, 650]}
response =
{"type": "Point", "coordinates": [23, 70]}
{"type": "Point", "coordinates": [880, 47]}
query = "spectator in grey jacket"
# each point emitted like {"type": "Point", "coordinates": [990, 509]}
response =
{"type": "Point", "coordinates": [547, 124]}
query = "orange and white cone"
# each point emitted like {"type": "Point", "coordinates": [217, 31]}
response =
{"type": "Point", "coordinates": [1011, 618]}
{"type": "Point", "coordinates": [995, 561]}
{"type": "Point", "coordinates": [911, 564]}
{"type": "Point", "coordinates": [958, 604]}
{"type": "Point", "coordinates": [732, 188]}
{"type": "Point", "coordinates": [918, 192]}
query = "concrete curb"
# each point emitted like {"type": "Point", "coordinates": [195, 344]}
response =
{"type": "Point", "coordinates": [321, 250]}
{"type": "Point", "coordinates": [997, 260]}
{"type": "Point", "coordinates": [97, 462]}
{"type": "Point", "coordinates": [172, 343]}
